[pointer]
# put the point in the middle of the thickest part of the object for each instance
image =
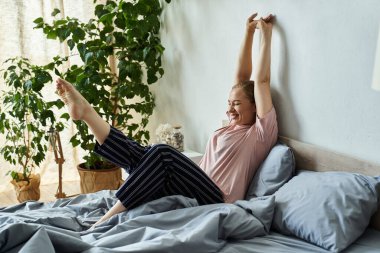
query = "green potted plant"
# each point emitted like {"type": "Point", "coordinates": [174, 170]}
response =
{"type": "Point", "coordinates": [120, 52]}
{"type": "Point", "coordinates": [24, 119]}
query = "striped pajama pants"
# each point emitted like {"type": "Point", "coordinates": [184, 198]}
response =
{"type": "Point", "coordinates": [156, 171]}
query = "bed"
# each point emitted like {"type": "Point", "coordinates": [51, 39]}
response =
{"type": "Point", "coordinates": [302, 199]}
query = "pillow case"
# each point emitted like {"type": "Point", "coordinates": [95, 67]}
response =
{"type": "Point", "coordinates": [329, 209]}
{"type": "Point", "coordinates": [275, 171]}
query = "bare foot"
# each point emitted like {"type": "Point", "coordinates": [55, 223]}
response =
{"type": "Point", "coordinates": [77, 105]}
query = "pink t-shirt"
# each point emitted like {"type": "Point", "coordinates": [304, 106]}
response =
{"type": "Point", "coordinates": [234, 153]}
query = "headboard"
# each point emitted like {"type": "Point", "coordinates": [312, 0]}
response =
{"type": "Point", "coordinates": [315, 158]}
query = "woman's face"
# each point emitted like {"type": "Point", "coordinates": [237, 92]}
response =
{"type": "Point", "coordinates": [241, 111]}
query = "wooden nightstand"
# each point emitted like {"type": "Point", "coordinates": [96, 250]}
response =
{"type": "Point", "coordinates": [194, 156]}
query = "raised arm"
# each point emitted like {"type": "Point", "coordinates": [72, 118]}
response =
{"type": "Point", "coordinates": [244, 68]}
{"type": "Point", "coordinates": [263, 96]}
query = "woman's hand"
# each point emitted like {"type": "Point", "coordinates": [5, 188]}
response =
{"type": "Point", "coordinates": [251, 23]}
{"type": "Point", "coordinates": [266, 25]}
{"type": "Point", "coordinates": [268, 19]}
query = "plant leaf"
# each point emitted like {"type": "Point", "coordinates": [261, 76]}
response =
{"type": "Point", "coordinates": [55, 12]}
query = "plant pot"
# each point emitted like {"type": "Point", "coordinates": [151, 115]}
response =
{"type": "Point", "coordinates": [97, 180]}
{"type": "Point", "coordinates": [27, 190]}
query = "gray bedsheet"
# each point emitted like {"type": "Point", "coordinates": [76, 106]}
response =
{"type": "Point", "coordinates": [274, 242]}
{"type": "Point", "coordinates": [170, 224]}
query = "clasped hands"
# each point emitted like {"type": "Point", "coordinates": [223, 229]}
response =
{"type": "Point", "coordinates": [262, 23]}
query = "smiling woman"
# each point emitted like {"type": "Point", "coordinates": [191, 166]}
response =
{"type": "Point", "coordinates": [234, 152]}
{"type": "Point", "coordinates": [232, 155]}
{"type": "Point", "coordinates": [241, 104]}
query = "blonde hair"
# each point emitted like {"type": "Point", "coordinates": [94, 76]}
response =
{"type": "Point", "coordinates": [248, 89]}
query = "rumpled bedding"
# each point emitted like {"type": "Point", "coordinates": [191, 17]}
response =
{"type": "Point", "coordinates": [170, 224]}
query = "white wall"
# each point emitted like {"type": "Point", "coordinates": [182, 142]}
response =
{"type": "Point", "coordinates": [322, 63]}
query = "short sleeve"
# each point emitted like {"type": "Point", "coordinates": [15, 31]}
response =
{"type": "Point", "coordinates": [266, 127]}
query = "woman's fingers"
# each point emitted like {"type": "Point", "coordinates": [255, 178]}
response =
{"type": "Point", "coordinates": [254, 15]}
{"type": "Point", "coordinates": [251, 23]}
{"type": "Point", "coordinates": [265, 23]}
{"type": "Point", "coordinates": [251, 20]}
{"type": "Point", "coordinates": [268, 18]}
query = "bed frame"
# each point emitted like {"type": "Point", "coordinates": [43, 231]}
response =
{"type": "Point", "coordinates": [315, 158]}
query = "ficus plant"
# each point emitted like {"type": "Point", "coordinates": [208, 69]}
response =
{"type": "Point", "coordinates": [25, 116]}
{"type": "Point", "coordinates": [124, 32]}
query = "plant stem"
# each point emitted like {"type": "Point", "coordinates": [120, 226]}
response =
{"type": "Point", "coordinates": [26, 143]}
{"type": "Point", "coordinates": [115, 98]}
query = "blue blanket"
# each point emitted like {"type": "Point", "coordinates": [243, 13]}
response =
{"type": "Point", "coordinates": [169, 224]}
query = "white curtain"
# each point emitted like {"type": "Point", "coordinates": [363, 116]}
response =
{"type": "Point", "coordinates": [18, 38]}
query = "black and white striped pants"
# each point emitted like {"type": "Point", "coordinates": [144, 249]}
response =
{"type": "Point", "coordinates": [156, 171]}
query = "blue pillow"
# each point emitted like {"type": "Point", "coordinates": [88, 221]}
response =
{"type": "Point", "coordinates": [329, 209]}
{"type": "Point", "coordinates": [275, 171]}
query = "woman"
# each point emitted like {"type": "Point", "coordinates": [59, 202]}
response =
{"type": "Point", "coordinates": [232, 155]}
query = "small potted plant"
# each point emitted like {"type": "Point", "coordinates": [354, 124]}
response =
{"type": "Point", "coordinates": [24, 120]}
{"type": "Point", "coordinates": [120, 56]}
